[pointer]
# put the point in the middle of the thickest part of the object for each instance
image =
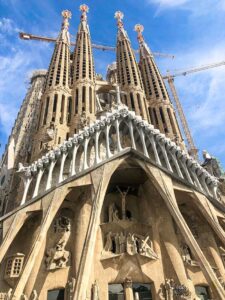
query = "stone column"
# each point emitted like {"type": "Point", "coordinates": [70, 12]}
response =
{"type": "Point", "coordinates": [128, 289]}
{"type": "Point", "coordinates": [172, 246]}
{"type": "Point", "coordinates": [81, 225]}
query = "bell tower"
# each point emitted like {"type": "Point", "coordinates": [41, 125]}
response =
{"type": "Point", "coordinates": [83, 75]}
{"type": "Point", "coordinates": [52, 127]}
{"type": "Point", "coordinates": [160, 108]}
{"type": "Point", "coordinates": [128, 74]}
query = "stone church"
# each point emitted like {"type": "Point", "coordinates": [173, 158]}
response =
{"type": "Point", "coordinates": [99, 198]}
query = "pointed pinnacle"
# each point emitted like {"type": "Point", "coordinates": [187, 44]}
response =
{"type": "Point", "coordinates": [119, 16]}
{"type": "Point", "coordinates": [139, 29]}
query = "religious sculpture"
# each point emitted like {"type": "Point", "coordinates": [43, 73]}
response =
{"type": "Point", "coordinates": [113, 213]}
{"type": "Point", "coordinates": [187, 258]}
{"type": "Point", "coordinates": [95, 291]}
{"type": "Point", "coordinates": [57, 257]}
{"type": "Point", "coordinates": [131, 243]}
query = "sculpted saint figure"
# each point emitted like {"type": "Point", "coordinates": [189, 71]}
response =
{"type": "Point", "coordinates": [108, 245]}
{"type": "Point", "coordinates": [115, 215]}
{"type": "Point", "coordinates": [131, 244]}
{"type": "Point", "coordinates": [147, 250]}
{"type": "Point", "coordinates": [117, 243]}
{"type": "Point", "coordinates": [122, 242]}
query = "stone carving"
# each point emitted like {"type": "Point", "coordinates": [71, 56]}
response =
{"type": "Point", "coordinates": [70, 288]}
{"type": "Point", "coordinates": [128, 282]}
{"type": "Point", "coordinates": [187, 258]}
{"type": "Point", "coordinates": [113, 213]}
{"type": "Point", "coordinates": [62, 224]}
{"type": "Point", "coordinates": [212, 165]}
{"type": "Point", "coordinates": [57, 257]}
{"type": "Point", "coordinates": [84, 120]}
{"type": "Point", "coordinates": [123, 200]}
{"type": "Point", "coordinates": [6, 296]}
{"type": "Point", "coordinates": [95, 291]}
{"type": "Point", "coordinates": [196, 175]}
{"type": "Point", "coordinates": [176, 291]}
{"type": "Point", "coordinates": [131, 243]}
{"type": "Point", "coordinates": [169, 287]}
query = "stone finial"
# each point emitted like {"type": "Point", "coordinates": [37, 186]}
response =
{"type": "Point", "coordinates": [84, 9]}
{"type": "Point", "coordinates": [66, 16]}
{"type": "Point", "coordinates": [139, 29]}
{"type": "Point", "coordinates": [119, 16]}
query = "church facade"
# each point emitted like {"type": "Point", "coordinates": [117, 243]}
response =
{"type": "Point", "coordinates": [99, 198]}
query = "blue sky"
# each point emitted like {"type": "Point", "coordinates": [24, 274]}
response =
{"type": "Point", "coordinates": [192, 30]}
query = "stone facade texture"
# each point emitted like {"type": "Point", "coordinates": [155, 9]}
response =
{"type": "Point", "coordinates": [99, 199]}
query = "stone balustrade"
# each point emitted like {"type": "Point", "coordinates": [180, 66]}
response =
{"type": "Point", "coordinates": [107, 137]}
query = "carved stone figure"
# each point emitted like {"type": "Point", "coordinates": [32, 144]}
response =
{"type": "Point", "coordinates": [131, 244]}
{"type": "Point", "coordinates": [212, 165]}
{"type": "Point", "coordinates": [70, 288]}
{"type": "Point", "coordinates": [111, 209]}
{"type": "Point", "coordinates": [113, 213]}
{"type": "Point", "coordinates": [108, 245]}
{"type": "Point", "coordinates": [95, 291]}
{"type": "Point", "coordinates": [147, 250]}
{"type": "Point", "coordinates": [84, 120]}
{"type": "Point", "coordinates": [169, 286]}
{"type": "Point", "coordinates": [122, 242]}
{"type": "Point", "coordinates": [117, 243]}
{"type": "Point", "coordinates": [62, 224]}
{"type": "Point", "coordinates": [57, 257]}
{"type": "Point", "coordinates": [187, 256]}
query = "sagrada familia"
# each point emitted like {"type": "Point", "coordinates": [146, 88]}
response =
{"type": "Point", "coordinates": [99, 198]}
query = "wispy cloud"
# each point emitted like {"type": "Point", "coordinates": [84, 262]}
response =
{"type": "Point", "coordinates": [201, 94]}
{"type": "Point", "coordinates": [8, 26]}
{"type": "Point", "coordinates": [169, 3]}
{"type": "Point", "coordinates": [196, 8]}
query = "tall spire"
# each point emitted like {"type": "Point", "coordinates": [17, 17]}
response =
{"type": "Point", "coordinates": [53, 118]}
{"type": "Point", "coordinates": [160, 108]}
{"type": "Point", "coordinates": [58, 72]}
{"type": "Point", "coordinates": [128, 73]}
{"type": "Point", "coordinates": [83, 77]}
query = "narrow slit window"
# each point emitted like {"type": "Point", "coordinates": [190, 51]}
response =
{"type": "Point", "coordinates": [46, 111]}
{"type": "Point", "coordinates": [83, 98]}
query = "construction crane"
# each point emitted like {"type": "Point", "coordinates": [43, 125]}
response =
{"type": "Point", "coordinates": [193, 151]}
{"type": "Point", "coordinates": [28, 36]}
